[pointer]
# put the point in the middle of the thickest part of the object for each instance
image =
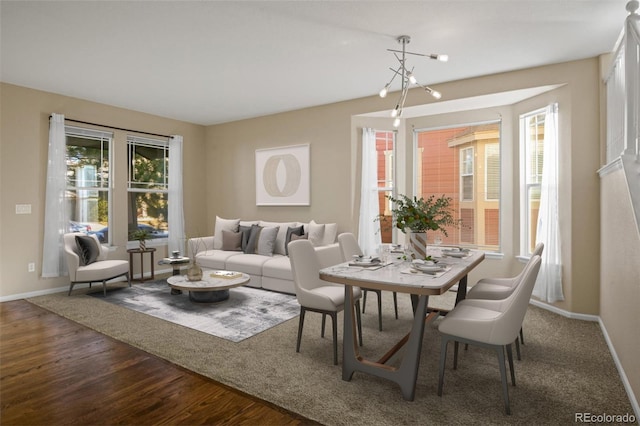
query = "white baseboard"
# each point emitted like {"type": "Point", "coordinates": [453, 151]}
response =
{"type": "Point", "coordinates": [66, 288]}
{"type": "Point", "coordinates": [623, 376]}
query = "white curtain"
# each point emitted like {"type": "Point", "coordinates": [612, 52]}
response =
{"type": "Point", "coordinates": [548, 286]}
{"type": "Point", "coordinates": [56, 216]}
{"type": "Point", "coordinates": [175, 210]}
{"type": "Point", "coordinates": [369, 237]}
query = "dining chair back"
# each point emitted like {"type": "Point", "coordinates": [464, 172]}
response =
{"type": "Point", "coordinates": [316, 295]}
{"type": "Point", "coordinates": [350, 247]}
{"type": "Point", "coordinates": [492, 324]}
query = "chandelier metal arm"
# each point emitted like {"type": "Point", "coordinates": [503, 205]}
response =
{"type": "Point", "coordinates": [407, 77]}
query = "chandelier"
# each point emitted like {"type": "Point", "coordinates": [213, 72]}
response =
{"type": "Point", "coordinates": [407, 78]}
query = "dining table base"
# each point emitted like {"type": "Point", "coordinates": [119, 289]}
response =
{"type": "Point", "coordinates": [407, 373]}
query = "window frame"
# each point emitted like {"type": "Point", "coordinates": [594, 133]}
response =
{"type": "Point", "coordinates": [464, 173]}
{"type": "Point", "coordinates": [101, 135]}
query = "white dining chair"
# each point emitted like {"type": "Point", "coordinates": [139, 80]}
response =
{"type": "Point", "coordinates": [350, 247]}
{"type": "Point", "coordinates": [317, 295]}
{"type": "Point", "coordinates": [492, 324]}
{"type": "Point", "coordinates": [500, 288]}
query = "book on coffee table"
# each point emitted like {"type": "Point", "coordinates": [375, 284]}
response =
{"type": "Point", "coordinates": [226, 274]}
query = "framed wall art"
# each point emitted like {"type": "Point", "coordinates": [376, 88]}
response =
{"type": "Point", "coordinates": [282, 176]}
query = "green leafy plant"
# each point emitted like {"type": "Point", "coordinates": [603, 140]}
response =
{"type": "Point", "coordinates": [420, 215]}
{"type": "Point", "coordinates": [140, 235]}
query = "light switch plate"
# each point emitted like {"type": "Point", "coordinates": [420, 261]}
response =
{"type": "Point", "coordinates": [23, 208]}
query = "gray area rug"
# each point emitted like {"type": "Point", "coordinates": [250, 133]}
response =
{"type": "Point", "coordinates": [566, 367]}
{"type": "Point", "coordinates": [247, 312]}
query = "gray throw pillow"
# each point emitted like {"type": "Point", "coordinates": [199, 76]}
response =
{"type": "Point", "coordinates": [88, 249]}
{"type": "Point", "coordinates": [267, 241]}
{"type": "Point", "coordinates": [253, 239]}
{"type": "Point", "coordinates": [231, 241]}
{"type": "Point", "coordinates": [246, 233]}
{"type": "Point", "coordinates": [297, 230]}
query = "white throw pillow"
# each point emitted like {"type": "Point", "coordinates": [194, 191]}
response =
{"type": "Point", "coordinates": [316, 234]}
{"type": "Point", "coordinates": [223, 225]}
{"type": "Point", "coordinates": [330, 233]}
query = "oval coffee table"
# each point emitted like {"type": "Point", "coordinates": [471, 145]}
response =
{"type": "Point", "coordinates": [214, 286]}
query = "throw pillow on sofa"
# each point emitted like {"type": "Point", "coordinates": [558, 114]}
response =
{"type": "Point", "coordinates": [231, 241]}
{"type": "Point", "coordinates": [226, 225]}
{"type": "Point", "coordinates": [252, 242]}
{"type": "Point", "coordinates": [316, 234]}
{"type": "Point", "coordinates": [291, 231]}
{"type": "Point", "coordinates": [267, 241]}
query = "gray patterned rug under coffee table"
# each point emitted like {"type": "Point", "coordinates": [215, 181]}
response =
{"type": "Point", "coordinates": [247, 312]}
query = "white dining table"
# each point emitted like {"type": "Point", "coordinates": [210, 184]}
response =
{"type": "Point", "coordinates": [397, 275]}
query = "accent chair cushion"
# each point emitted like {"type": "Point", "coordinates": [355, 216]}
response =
{"type": "Point", "coordinates": [231, 241]}
{"type": "Point", "coordinates": [88, 249]}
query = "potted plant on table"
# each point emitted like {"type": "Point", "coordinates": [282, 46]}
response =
{"type": "Point", "coordinates": [141, 235]}
{"type": "Point", "coordinates": [416, 216]}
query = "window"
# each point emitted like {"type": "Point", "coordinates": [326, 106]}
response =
{"type": "Point", "coordinates": [385, 148]}
{"type": "Point", "coordinates": [463, 163]}
{"type": "Point", "coordinates": [88, 159]}
{"type": "Point", "coordinates": [532, 143]}
{"type": "Point", "coordinates": [148, 185]}
{"type": "Point", "coordinates": [466, 174]}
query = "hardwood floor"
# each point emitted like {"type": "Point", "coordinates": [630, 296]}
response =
{"type": "Point", "coordinates": [54, 371]}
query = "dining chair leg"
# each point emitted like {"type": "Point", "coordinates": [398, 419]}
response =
{"type": "Point", "coordinates": [521, 336]}
{"type": "Point", "coordinates": [379, 292]}
{"type": "Point", "coordinates": [518, 349]}
{"type": "Point", "coordinates": [510, 358]}
{"type": "Point", "coordinates": [300, 325]}
{"type": "Point", "coordinates": [324, 319]}
{"type": "Point", "coordinates": [334, 326]}
{"type": "Point", "coordinates": [455, 354]}
{"type": "Point", "coordinates": [364, 300]}
{"type": "Point", "coordinates": [503, 377]}
{"type": "Point", "coordinates": [395, 303]}
{"type": "Point", "coordinates": [443, 360]}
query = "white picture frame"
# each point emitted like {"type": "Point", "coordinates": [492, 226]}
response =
{"type": "Point", "coordinates": [283, 176]}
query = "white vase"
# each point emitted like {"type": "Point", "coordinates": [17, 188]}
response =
{"type": "Point", "coordinates": [418, 244]}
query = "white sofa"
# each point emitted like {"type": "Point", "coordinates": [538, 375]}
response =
{"type": "Point", "coordinates": [268, 270]}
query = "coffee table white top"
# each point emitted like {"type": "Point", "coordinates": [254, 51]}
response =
{"type": "Point", "coordinates": [212, 280]}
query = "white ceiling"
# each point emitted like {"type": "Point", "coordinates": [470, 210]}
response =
{"type": "Point", "coordinates": [210, 62]}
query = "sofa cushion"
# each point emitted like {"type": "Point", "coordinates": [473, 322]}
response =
{"type": "Point", "coordinates": [87, 248]}
{"type": "Point", "coordinates": [223, 224]}
{"type": "Point", "coordinates": [248, 263]}
{"type": "Point", "coordinates": [282, 234]}
{"type": "Point", "coordinates": [215, 259]}
{"type": "Point", "coordinates": [267, 241]}
{"type": "Point", "coordinates": [292, 230]}
{"type": "Point", "coordinates": [277, 267]}
{"type": "Point", "coordinates": [231, 241]}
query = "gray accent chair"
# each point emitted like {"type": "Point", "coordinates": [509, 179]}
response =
{"type": "Point", "coordinates": [102, 270]}
{"type": "Point", "coordinates": [492, 324]}
{"type": "Point", "coordinates": [317, 295]}
{"type": "Point", "coordinates": [350, 247]}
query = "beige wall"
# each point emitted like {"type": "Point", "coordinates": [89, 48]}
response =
{"type": "Point", "coordinates": [23, 161]}
{"type": "Point", "coordinates": [620, 275]}
{"type": "Point", "coordinates": [333, 132]}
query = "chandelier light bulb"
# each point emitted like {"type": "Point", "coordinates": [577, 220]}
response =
{"type": "Point", "coordinates": [441, 58]}
{"type": "Point", "coordinates": [384, 91]}
{"type": "Point", "coordinates": [412, 78]}
{"type": "Point", "coordinates": [436, 94]}
{"type": "Point", "coordinates": [396, 122]}
{"type": "Point", "coordinates": [394, 112]}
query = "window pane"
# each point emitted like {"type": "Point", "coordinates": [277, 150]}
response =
{"type": "Point", "coordinates": [148, 186]}
{"type": "Point", "coordinates": [87, 195]}
{"type": "Point", "coordinates": [386, 175]}
{"type": "Point", "coordinates": [447, 165]}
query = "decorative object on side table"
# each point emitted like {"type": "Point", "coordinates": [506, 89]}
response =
{"type": "Point", "coordinates": [141, 235]}
{"type": "Point", "coordinates": [416, 216]}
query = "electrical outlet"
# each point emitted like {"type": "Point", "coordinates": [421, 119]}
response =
{"type": "Point", "coordinates": [23, 208]}
{"type": "Point", "coordinates": [32, 267]}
